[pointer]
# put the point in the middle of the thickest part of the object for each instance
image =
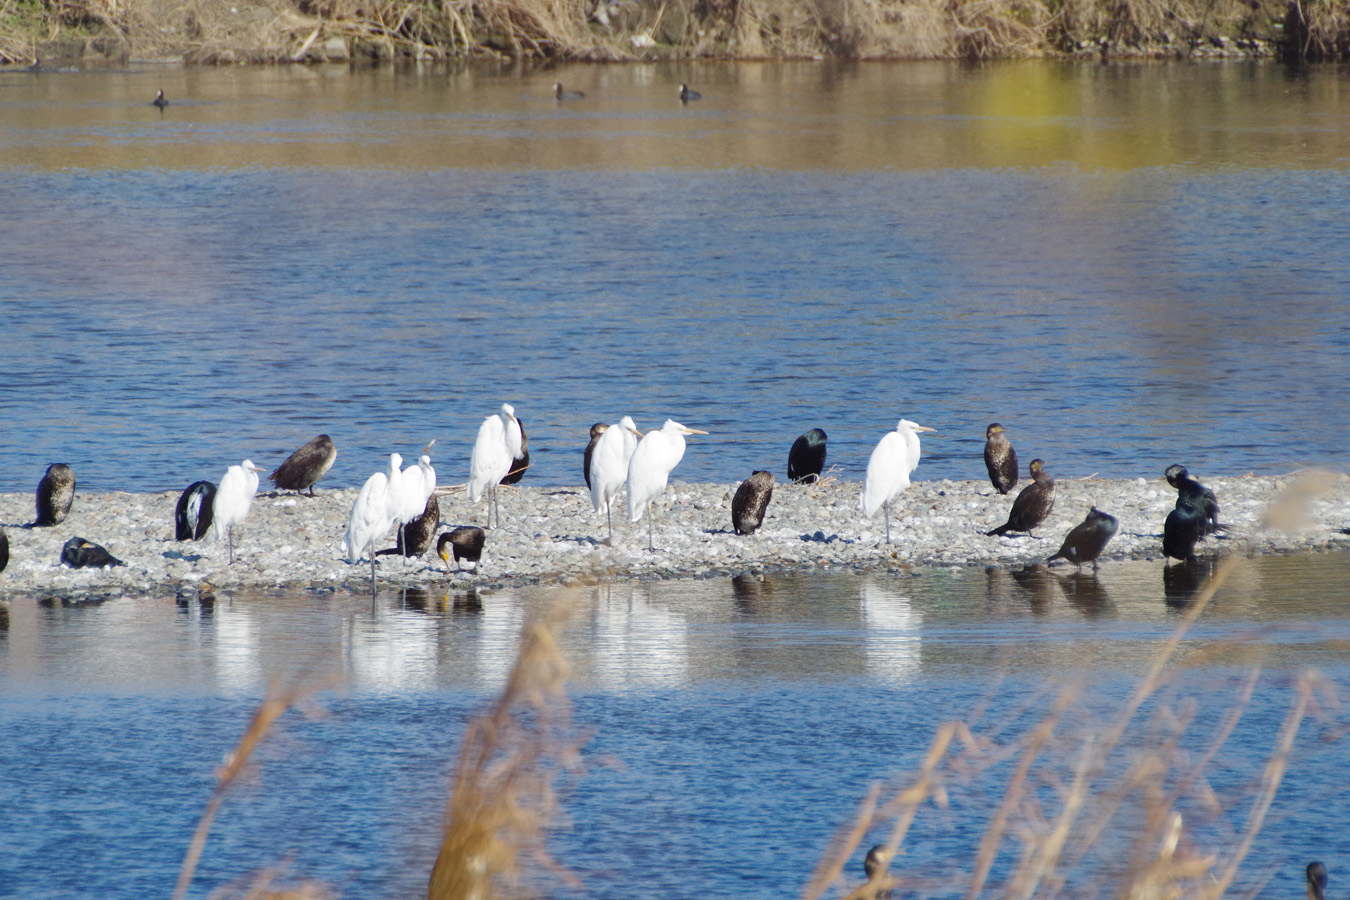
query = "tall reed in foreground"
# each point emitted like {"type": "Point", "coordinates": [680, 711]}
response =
{"type": "Point", "coordinates": [1087, 805]}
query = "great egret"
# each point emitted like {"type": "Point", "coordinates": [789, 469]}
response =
{"type": "Point", "coordinates": [561, 94]}
{"type": "Point", "coordinates": [687, 93]}
{"type": "Point", "coordinates": [372, 514]}
{"type": "Point", "coordinates": [409, 497]}
{"type": "Point", "coordinates": [609, 464]}
{"type": "Point", "coordinates": [305, 466]}
{"type": "Point", "coordinates": [1000, 459]}
{"type": "Point", "coordinates": [893, 458]}
{"type": "Point", "coordinates": [81, 554]}
{"type": "Point", "coordinates": [1086, 541]}
{"type": "Point", "coordinates": [234, 498]}
{"type": "Point", "coordinates": [752, 498]}
{"type": "Point", "coordinates": [597, 429]}
{"type": "Point", "coordinates": [55, 493]}
{"type": "Point", "coordinates": [518, 466]}
{"type": "Point", "coordinates": [159, 101]}
{"type": "Point", "coordinates": [1032, 505]}
{"type": "Point", "coordinates": [649, 469]}
{"type": "Point", "coordinates": [466, 543]}
{"type": "Point", "coordinates": [415, 538]}
{"type": "Point", "coordinates": [1195, 495]}
{"type": "Point", "coordinates": [192, 514]}
{"type": "Point", "coordinates": [806, 459]}
{"type": "Point", "coordinates": [497, 446]}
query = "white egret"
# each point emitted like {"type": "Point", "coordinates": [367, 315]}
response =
{"type": "Point", "coordinates": [649, 469]}
{"type": "Point", "coordinates": [416, 485]}
{"type": "Point", "coordinates": [497, 446]}
{"type": "Point", "coordinates": [305, 466]}
{"type": "Point", "coordinates": [372, 515]}
{"type": "Point", "coordinates": [609, 464]}
{"type": "Point", "coordinates": [234, 498]}
{"type": "Point", "coordinates": [895, 456]}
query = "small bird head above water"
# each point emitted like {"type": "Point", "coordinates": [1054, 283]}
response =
{"type": "Point", "coordinates": [1317, 881]}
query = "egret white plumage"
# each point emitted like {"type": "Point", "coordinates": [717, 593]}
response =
{"type": "Point", "coordinates": [895, 456]}
{"type": "Point", "coordinates": [497, 446]}
{"type": "Point", "coordinates": [234, 498]}
{"type": "Point", "coordinates": [372, 514]}
{"type": "Point", "coordinates": [609, 464]}
{"type": "Point", "coordinates": [416, 485]}
{"type": "Point", "coordinates": [649, 469]}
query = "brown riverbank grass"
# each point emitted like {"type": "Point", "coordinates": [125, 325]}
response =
{"type": "Point", "coordinates": [205, 31]}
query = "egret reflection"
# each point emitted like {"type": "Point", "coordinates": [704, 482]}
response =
{"type": "Point", "coordinates": [892, 634]}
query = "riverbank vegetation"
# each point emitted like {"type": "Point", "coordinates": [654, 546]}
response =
{"type": "Point", "coordinates": [207, 31]}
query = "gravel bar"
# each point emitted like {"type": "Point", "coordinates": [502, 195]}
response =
{"type": "Point", "coordinates": [552, 535]}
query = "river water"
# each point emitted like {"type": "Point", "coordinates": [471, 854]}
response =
{"type": "Point", "coordinates": [1127, 265]}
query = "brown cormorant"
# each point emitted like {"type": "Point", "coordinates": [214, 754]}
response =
{"type": "Point", "coordinates": [159, 101]}
{"type": "Point", "coordinates": [1088, 539]}
{"type": "Point", "coordinates": [806, 459]}
{"type": "Point", "coordinates": [1196, 496]}
{"type": "Point", "coordinates": [305, 466]}
{"type": "Point", "coordinates": [522, 462]}
{"type": "Point", "coordinates": [466, 543]}
{"type": "Point", "coordinates": [1032, 505]}
{"type": "Point", "coordinates": [561, 94]}
{"type": "Point", "coordinates": [55, 493]}
{"type": "Point", "coordinates": [415, 538]}
{"type": "Point", "coordinates": [1317, 881]}
{"type": "Point", "coordinates": [81, 554]}
{"type": "Point", "coordinates": [752, 497]}
{"type": "Point", "coordinates": [1000, 459]}
{"type": "Point", "coordinates": [597, 429]}
{"type": "Point", "coordinates": [687, 93]}
{"type": "Point", "coordinates": [193, 514]}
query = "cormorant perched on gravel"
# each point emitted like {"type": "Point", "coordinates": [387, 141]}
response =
{"type": "Point", "coordinates": [1195, 495]}
{"type": "Point", "coordinates": [806, 459]}
{"type": "Point", "coordinates": [1000, 459]}
{"type": "Point", "coordinates": [416, 536]}
{"type": "Point", "coordinates": [305, 466]}
{"type": "Point", "coordinates": [55, 493]}
{"type": "Point", "coordinates": [752, 498]}
{"type": "Point", "coordinates": [520, 463]}
{"type": "Point", "coordinates": [1088, 539]}
{"type": "Point", "coordinates": [466, 543]}
{"type": "Point", "coordinates": [1317, 881]}
{"type": "Point", "coordinates": [1182, 530]}
{"type": "Point", "coordinates": [1033, 505]}
{"type": "Point", "coordinates": [4, 549]}
{"type": "Point", "coordinates": [81, 554]}
{"type": "Point", "coordinates": [195, 511]}
{"type": "Point", "coordinates": [597, 429]}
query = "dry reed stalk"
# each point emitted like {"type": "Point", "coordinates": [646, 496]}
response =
{"type": "Point", "coordinates": [502, 793]}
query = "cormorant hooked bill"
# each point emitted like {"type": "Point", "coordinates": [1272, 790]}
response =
{"type": "Point", "coordinates": [1033, 505]}
{"type": "Point", "coordinates": [752, 498]}
{"type": "Point", "coordinates": [1000, 459]}
{"type": "Point", "coordinates": [1088, 539]}
{"type": "Point", "coordinates": [806, 459]}
{"type": "Point", "coordinates": [466, 543]}
{"type": "Point", "coordinates": [55, 493]}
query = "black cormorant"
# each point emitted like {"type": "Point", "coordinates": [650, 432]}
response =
{"type": "Point", "coordinates": [687, 93]}
{"type": "Point", "coordinates": [597, 429]}
{"type": "Point", "coordinates": [752, 498]}
{"type": "Point", "coordinates": [4, 549]}
{"type": "Point", "coordinates": [1193, 494]}
{"type": "Point", "coordinates": [159, 101]}
{"type": "Point", "coordinates": [806, 459]}
{"type": "Point", "coordinates": [875, 867]}
{"type": "Point", "coordinates": [1317, 881]}
{"type": "Point", "coordinates": [561, 94]}
{"type": "Point", "coordinates": [305, 466]}
{"type": "Point", "coordinates": [81, 554]}
{"type": "Point", "coordinates": [415, 538]}
{"type": "Point", "coordinates": [1182, 530]}
{"type": "Point", "coordinates": [193, 515]}
{"type": "Point", "coordinates": [55, 493]}
{"type": "Point", "coordinates": [1033, 504]}
{"type": "Point", "coordinates": [1088, 539]}
{"type": "Point", "coordinates": [520, 463]}
{"type": "Point", "coordinates": [466, 543]}
{"type": "Point", "coordinates": [1000, 459]}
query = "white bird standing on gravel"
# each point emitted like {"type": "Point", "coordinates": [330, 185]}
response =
{"type": "Point", "coordinates": [609, 465]}
{"type": "Point", "coordinates": [895, 456]}
{"type": "Point", "coordinates": [656, 454]}
{"type": "Point", "coordinates": [372, 514]}
{"type": "Point", "coordinates": [234, 498]}
{"type": "Point", "coordinates": [417, 485]}
{"type": "Point", "coordinates": [497, 446]}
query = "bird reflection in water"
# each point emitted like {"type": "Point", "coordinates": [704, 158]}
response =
{"type": "Point", "coordinates": [1086, 593]}
{"type": "Point", "coordinates": [432, 602]}
{"type": "Point", "coordinates": [1038, 584]}
{"type": "Point", "coordinates": [752, 593]}
{"type": "Point", "coordinates": [1181, 581]}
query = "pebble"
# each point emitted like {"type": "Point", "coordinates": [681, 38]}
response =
{"type": "Point", "coordinates": [552, 536]}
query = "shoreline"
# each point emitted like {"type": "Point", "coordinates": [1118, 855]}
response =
{"type": "Point", "coordinates": [552, 536]}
